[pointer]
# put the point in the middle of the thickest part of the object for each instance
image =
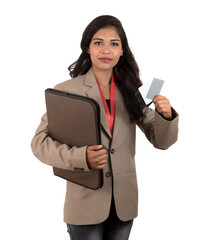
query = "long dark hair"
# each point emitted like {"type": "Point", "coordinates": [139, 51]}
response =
{"type": "Point", "coordinates": [126, 72]}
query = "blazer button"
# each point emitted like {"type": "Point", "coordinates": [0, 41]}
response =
{"type": "Point", "coordinates": [112, 151]}
{"type": "Point", "coordinates": [108, 174]}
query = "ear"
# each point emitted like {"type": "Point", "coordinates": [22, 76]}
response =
{"type": "Point", "coordinates": [88, 51]}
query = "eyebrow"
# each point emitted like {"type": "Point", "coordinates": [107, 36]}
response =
{"type": "Point", "coordinates": [112, 40]}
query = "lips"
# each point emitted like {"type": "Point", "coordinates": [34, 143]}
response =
{"type": "Point", "coordinates": [106, 60]}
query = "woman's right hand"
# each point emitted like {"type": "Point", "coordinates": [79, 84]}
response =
{"type": "Point", "coordinates": [96, 157]}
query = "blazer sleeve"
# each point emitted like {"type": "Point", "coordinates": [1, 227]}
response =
{"type": "Point", "coordinates": [160, 132]}
{"type": "Point", "coordinates": [56, 154]}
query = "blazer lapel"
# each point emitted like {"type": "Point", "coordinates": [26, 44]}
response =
{"type": "Point", "coordinates": [93, 92]}
{"type": "Point", "coordinates": [119, 107]}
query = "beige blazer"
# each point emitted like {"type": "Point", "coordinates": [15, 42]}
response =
{"type": "Point", "coordinates": [84, 206]}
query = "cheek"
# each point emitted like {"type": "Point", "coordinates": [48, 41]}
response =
{"type": "Point", "coordinates": [117, 58]}
{"type": "Point", "coordinates": [92, 54]}
{"type": "Point", "coordinates": [118, 54]}
{"type": "Point", "coordinates": [93, 59]}
{"type": "Point", "coordinates": [92, 51]}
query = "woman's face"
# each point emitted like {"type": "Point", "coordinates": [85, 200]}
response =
{"type": "Point", "coordinates": [105, 49]}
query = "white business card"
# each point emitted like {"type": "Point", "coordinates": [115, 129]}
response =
{"type": "Point", "coordinates": [150, 90]}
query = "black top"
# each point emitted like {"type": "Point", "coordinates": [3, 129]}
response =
{"type": "Point", "coordinates": [108, 103]}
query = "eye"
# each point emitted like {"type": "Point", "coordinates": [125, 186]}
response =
{"type": "Point", "coordinates": [98, 43]}
{"type": "Point", "coordinates": [114, 44]}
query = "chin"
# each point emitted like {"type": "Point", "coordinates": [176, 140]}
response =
{"type": "Point", "coordinates": [104, 68]}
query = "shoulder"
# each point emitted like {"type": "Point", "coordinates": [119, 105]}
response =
{"type": "Point", "coordinates": [73, 83]}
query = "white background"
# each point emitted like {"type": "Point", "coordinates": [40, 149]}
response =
{"type": "Point", "coordinates": [39, 40]}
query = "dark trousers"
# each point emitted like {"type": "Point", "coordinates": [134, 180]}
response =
{"type": "Point", "coordinates": [111, 229]}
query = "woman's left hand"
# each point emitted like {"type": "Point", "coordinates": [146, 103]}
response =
{"type": "Point", "coordinates": [162, 105]}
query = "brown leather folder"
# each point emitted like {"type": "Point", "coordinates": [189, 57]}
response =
{"type": "Point", "coordinates": [74, 120]}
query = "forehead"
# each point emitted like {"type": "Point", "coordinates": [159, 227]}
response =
{"type": "Point", "coordinates": [107, 33]}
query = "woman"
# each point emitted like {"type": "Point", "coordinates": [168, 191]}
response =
{"type": "Point", "coordinates": [107, 72]}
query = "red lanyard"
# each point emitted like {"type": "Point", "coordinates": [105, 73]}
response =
{"type": "Point", "coordinates": [110, 116]}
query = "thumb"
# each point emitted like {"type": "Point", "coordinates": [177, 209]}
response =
{"type": "Point", "coordinates": [95, 147]}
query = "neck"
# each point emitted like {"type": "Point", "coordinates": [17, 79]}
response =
{"type": "Point", "coordinates": [103, 77]}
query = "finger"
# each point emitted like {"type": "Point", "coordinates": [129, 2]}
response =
{"type": "Point", "coordinates": [100, 167]}
{"type": "Point", "coordinates": [162, 103]}
{"type": "Point", "coordinates": [159, 97]}
{"type": "Point", "coordinates": [94, 159]}
{"type": "Point", "coordinates": [102, 163]}
{"type": "Point", "coordinates": [162, 106]}
{"type": "Point", "coordinates": [156, 98]}
{"type": "Point", "coordinates": [98, 158]}
{"type": "Point", "coordinates": [102, 158]}
{"type": "Point", "coordinates": [100, 153]}
{"type": "Point", "coordinates": [161, 100]}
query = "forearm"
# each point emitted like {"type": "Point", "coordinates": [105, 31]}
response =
{"type": "Point", "coordinates": [160, 132]}
{"type": "Point", "coordinates": [56, 154]}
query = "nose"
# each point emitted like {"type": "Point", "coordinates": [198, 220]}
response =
{"type": "Point", "coordinates": [106, 50]}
